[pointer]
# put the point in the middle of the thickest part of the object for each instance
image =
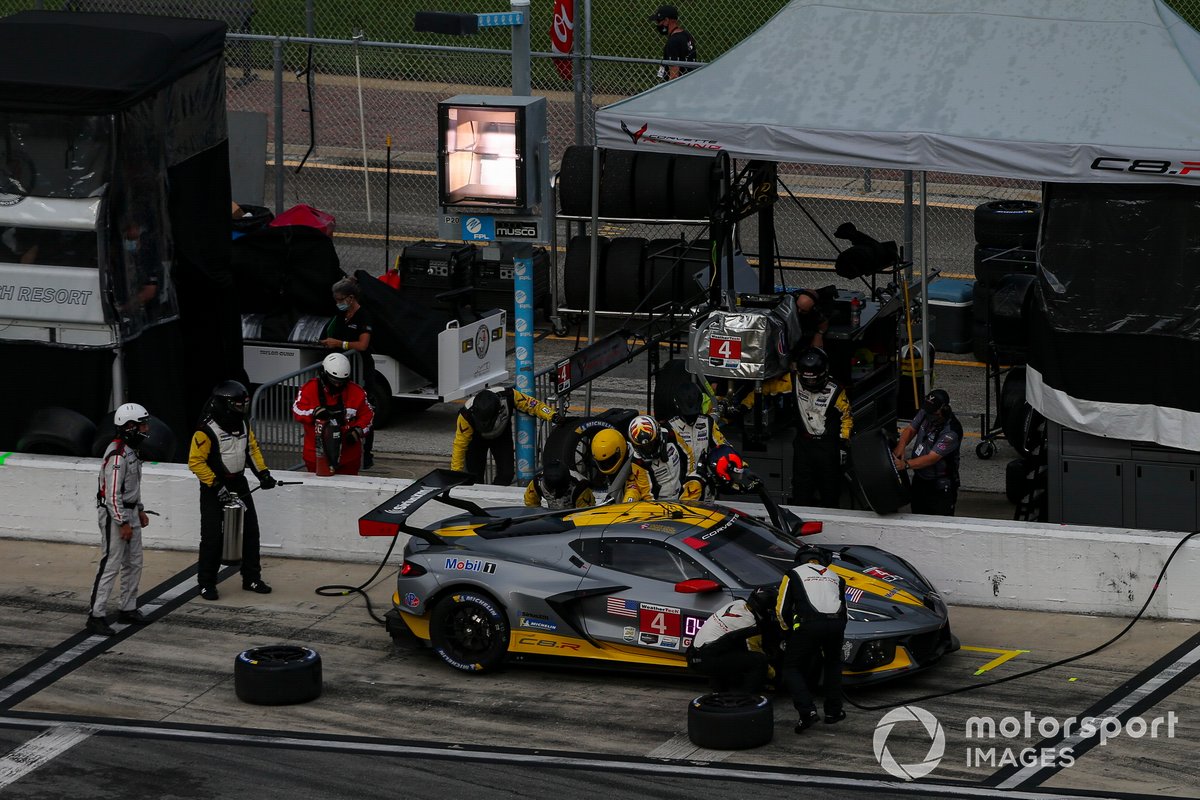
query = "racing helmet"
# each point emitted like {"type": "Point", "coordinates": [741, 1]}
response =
{"type": "Point", "coordinates": [229, 403]}
{"type": "Point", "coordinates": [726, 467]}
{"type": "Point", "coordinates": [485, 409]}
{"type": "Point", "coordinates": [608, 450]}
{"type": "Point", "coordinates": [645, 437]}
{"type": "Point", "coordinates": [556, 478]}
{"type": "Point", "coordinates": [762, 601]}
{"type": "Point", "coordinates": [335, 371]}
{"type": "Point", "coordinates": [809, 553]}
{"type": "Point", "coordinates": [812, 366]}
{"type": "Point", "coordinates": [688, 401]}
{"type": "Point", "coordinates": [937, 402]}
{"type": "Point", "coordinates": [129, 419]}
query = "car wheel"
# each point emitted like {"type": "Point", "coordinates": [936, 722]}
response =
{"type": "Point", "coordinates": [469, 631]}
{"type": "Point", "coordinates": [1007, 223]}
{"type": "Point", "coordinates": [883, 486]}
{"type": "Point", "coordinates": [57, 432]}
{"type": "Point", "coordinates": [730, 721]}
{"type": "Point", "coordinates": [277, 675]}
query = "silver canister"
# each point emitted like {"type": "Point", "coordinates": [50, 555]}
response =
{"type": "Point", "coordinates": [231, 529]}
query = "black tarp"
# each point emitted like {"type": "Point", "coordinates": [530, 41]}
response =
{"type": "Point", "coordinates": [104, 63]}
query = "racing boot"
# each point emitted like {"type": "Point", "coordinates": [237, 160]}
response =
{"type": "Point", "coordinates": [807, 721]}
{"type": "Point", "coordinates": [99, 626]}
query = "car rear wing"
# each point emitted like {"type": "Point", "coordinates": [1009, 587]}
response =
{"type": "Point", "coordinates": [391, 517]}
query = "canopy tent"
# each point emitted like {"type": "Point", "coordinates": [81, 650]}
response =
{"type": "Point", "coordinates": [1033, 89]}
{"type": "Point", "coordinates": [1059, 91]}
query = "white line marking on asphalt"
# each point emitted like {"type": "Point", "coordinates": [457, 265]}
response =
{"type": "Point", "coordinates": [86, 646]}
{"type": "Point", "coordinates": [673, 770]}
{"type": "Point", "coordinates": [1115, 710]}
{"type": "Point", "coordinates": [680, 747]}
{"type": "Point", "coordinates": [38, 750]}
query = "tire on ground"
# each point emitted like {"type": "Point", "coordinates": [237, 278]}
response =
{"type": "Point", "coordinates": [616, 184]}
{"type": "Point", "coordinates": [576, 268]}
{"type": "Point", "coordinates": [575, 181]}
{"type": "Point", "coordinates": [652, 185]}
{"type": "Point", "coordinates": [730, 721]}
{"type": "Point", "coordinates": [469, 631]}
{"type": "Point", "coordinates": [277, 675]}
{"type": "Point", "coordinates": [693, 182]}
{"type": "Point", "coordinates": [57, 431]}
{"type": "Point", "coordinates": [884, 487]}
{"type": "Point", "coordinates": [1007, 223]}
{"type": "Point", "coordinates": [623, 265]}
{"type": "Point", "coordinates": [993, 263]}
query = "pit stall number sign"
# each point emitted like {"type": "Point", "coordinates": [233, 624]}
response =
{"type": "Point", "coordinates": [724, 351]}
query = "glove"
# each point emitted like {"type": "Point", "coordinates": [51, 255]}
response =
{"type": "Point", "coordinates": [224, 495]}
{"type": "Point", "coordinates": [320, 412]}
{"type": "Point", "coordinates": [353, 435]}
{"type": "Point", "coordinates": [557, 419]}
{"type": "Point", "coordinates": [266, 482]}
{"type": "Point", "coordinates": [842, 457]}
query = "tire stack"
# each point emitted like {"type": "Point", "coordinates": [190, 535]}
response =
{"type": "Point", "coordinates": [635, 273]}
{"type": "Point", "coordinates": [1005, 263]}
{"type": "Point", "coordinates": [1026, 478]}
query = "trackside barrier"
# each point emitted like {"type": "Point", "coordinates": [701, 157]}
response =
{"type": "Point", "coordinates": [280, 437]}
{"type": "Point", "coordinates": [992, 563]}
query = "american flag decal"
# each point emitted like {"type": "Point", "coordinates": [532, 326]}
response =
{"type": "Point", "coordinates": [854, 595]}
{"type": "Point", "coordinates": [621, 607]}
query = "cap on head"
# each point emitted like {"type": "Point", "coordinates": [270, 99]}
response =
{"type": "Point", "coordinates": [936, 402]}
{"type": "Point", "coordinates": [664, 13]}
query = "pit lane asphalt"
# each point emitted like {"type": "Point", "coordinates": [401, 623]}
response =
{"type": "Point", "coordinates": [152, 712]}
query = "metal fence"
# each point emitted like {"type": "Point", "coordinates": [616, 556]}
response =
{"type": "Point", "coordinates": [337, 80]}
{"type": "Point", "coordinates": [279, 436]}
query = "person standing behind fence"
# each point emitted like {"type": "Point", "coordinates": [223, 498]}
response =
{"type": "Point", "coordinates": [680, 45]}
{"type": "Point", "coordinates": [122, 517]}
{"type": "Point", "coordinates": [350, 331]}
{"type": "Point", "coordinates": [332, 398]}
{"type": "Point", "coordinates": [220, 450]}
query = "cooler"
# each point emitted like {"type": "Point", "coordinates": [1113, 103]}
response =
{"type": "Point", "coordinates": [950, 301]}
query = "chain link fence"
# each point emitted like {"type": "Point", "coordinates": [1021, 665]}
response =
{"type": "Point", "coordinates": [338, 80]}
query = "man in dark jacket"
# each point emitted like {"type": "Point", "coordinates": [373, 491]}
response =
{"type": "Point", "coordinates": [812, 612]}
{"type": "Point", "coordinates": [680, 45]}
{"type": "Point", "coordinates": [938, 436]}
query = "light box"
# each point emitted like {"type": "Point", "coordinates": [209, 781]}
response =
{"type": "Point", "coordinates": [487, 151]}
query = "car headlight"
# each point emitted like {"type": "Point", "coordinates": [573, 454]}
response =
{"type": "Point", "coordinates": [875, 653]}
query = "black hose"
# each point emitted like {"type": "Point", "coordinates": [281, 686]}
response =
{"type": "Point", "coordinates": [1044, 667]}
{"type": "Point", "coordinates": [344, 590]}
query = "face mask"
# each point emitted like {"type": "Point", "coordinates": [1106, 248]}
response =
{"type": "Point", "coordinates": [662, 30]}
{"type": "Point", "coordinates": [343, 306]}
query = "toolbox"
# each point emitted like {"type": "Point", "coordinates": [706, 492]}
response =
{"type": "Point", "coordinates": [950, 308]}
{"type": "Point", "coordinates": [436, 265]}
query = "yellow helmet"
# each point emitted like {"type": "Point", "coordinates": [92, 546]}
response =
{"type": "Point", "coordinates": [608, 450]}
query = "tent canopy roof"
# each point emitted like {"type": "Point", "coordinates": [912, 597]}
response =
{"type": "Point", "coordinates": [91, 63]}
{"type": "Point", "coordinates": [1036, 89]}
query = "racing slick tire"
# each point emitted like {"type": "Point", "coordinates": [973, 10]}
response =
{"type": "Point", "coordinates": [623, 273]}
{"type": "Point", "coordinates": [277, 675]}
{"type": "Point", "coordinates": [616, 184]}
{"type": "Point", "coordinates": [652, 185]}
{"type": "Point", "coordinates": [575, 181]}
{"type": "Point", "coordinates": [469, 631]}
{"type": "Point", "coordinates": [884, 487]}
{"type": "Point", "coordinates": [694, 184]}
{"type": "Point", "coordinates": [730, 721]}
{"type": "Point", "coordinates": [1008, 223]}
{"type": "Point", "coordinates": [577, 270]}
{"type": "Point", "coordinates": [57, 431]}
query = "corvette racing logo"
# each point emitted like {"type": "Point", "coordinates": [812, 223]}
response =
{"type": "Point", "coordinates": [643, 134]}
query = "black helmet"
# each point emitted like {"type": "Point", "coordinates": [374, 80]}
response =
{"type": "Point", "coordinates": [687, 401]}
{"type": "Point", "coordinates": [813, 368]}
{"type": "Point", "coordinates": [555, 476]}
{"type": "Point", "coordinates": [229, 403]}
{"type": "Point", "coordinates": [762, 601]}
{"type": "Point", "coordinates": [809, 553]}
{"type": "Point", "coordinates": [485, 409]}
{"type": "Point", "coordinates": [937, 402]}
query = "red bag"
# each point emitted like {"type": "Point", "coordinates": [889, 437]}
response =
{"type": "Point", "coordinates": [306, 215]}
{"type": "Point", "coordinates": [391, 278]}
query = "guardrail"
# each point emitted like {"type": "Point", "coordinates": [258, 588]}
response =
{"type": "Point", "coordinates": [280, 437]}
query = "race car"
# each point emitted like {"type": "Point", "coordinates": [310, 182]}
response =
{"type": "Point", "coordinates": [628, 584]}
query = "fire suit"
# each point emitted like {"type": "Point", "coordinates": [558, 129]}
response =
{"type": "Point", "coordinates": [350, 409]}
{"type": "Point", "coordinates": [119, 503]}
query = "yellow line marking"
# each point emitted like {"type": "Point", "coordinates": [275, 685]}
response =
{"type": "Point", "coordinates": [1005, 655]}
{"type": "Point", "coordinates": [356, 168]}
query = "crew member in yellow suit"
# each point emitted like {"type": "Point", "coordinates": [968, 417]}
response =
{"type": "Point", "coordinates": [485, 426]}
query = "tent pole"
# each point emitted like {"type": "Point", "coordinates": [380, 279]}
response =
{"type": "Point", "coordinates": [593, 267]}
{"type": "Point", "coordinates": [908, 223]}
{"type": "Point", "coordinates": [766, 242]}
{"type": "Point", "coordinates": [926, 361]}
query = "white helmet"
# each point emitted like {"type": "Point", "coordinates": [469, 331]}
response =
{"type": "Point", "coordinates": [337, 369]}
{"type": "Point", "coordinates": [130, 412]}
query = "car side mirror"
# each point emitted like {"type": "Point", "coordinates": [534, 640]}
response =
{"type": "Point", "coordinates": [697, 586]}
{"type": "Point", "coordinates": [807, 528]}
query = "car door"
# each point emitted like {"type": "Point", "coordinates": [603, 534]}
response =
{"type": "Point", "coordinates": [642, 611]}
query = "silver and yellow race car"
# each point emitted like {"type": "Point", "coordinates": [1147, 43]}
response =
{"type": "Point", "coordinates": [628, 584]}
